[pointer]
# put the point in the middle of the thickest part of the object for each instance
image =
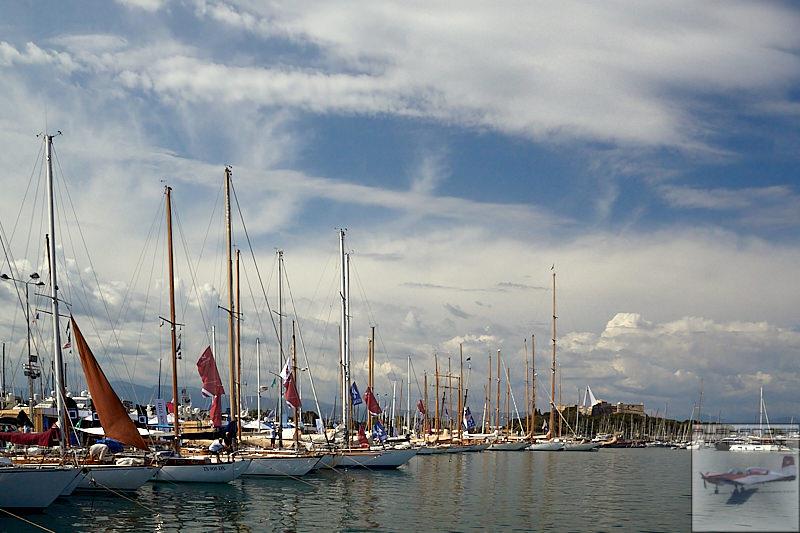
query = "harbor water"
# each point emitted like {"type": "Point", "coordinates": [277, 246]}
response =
{"type": "Point", "coordinates": [613, 489]}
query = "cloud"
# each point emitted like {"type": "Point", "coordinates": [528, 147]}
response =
{"type": "Point", "coordinates": [635, 78]}
{"type": "Point", "coordinates": [773, 206]}
{"type": "Point", "coordinates": [456, 311]}
{"type": "Point", "coordinates": [145, 5]}
{"type": "Point", "coordinates": [512, 285]}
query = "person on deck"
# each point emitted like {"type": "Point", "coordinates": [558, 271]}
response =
{"type": "Point", "coordinates": [216, 447]}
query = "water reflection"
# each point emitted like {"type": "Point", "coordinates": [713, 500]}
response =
{"type": "Point", "coordinates": [489, 490]}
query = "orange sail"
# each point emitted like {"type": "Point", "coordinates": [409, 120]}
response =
{"type": "Point", "coordinates": [113, 415]}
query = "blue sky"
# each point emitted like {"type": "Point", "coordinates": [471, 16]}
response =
{"type": "Point", "coordinates": [650, 153]}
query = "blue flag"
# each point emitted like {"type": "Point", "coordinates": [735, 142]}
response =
{"type": "Point", "coordinates": [379, 432]}
{"type": "Point", "coordinates": [469, 422]}
{"type": "Point", "coordinates": [355, 396]}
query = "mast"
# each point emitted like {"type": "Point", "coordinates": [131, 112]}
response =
{"type": "Point", "coordinates": [553, 374]}
{"type": "Point", "coordinates": [231, 308]}
{"type": "Point", "coordinates": [408, 396]}
{"type": "Point", "coordinates": [57, 355]}
{"type": "Point", "coordinates": [497, 407]}
{"type": "Point", "coordinates": [371, 377]}
{"type": "Point", "coordinates": [436, 365]}
{"type": "Point", "coordinates": [527, 385]}
{"type": "Point", "coordinates": [425, 426]}
{"type": "Point", "coordinates": [449, 392]}
{"type": "Point", "coordinates": [258, 382]}
{"type": "Point", "coordinates": [461, 392]}
{"type": "Point", "coordinates": [344, 341]}
{"type": "Point", "coordinates": [489, 398]}
{"type": "Point", "coordinates": [508, 401]}
{"type": "Point", "coordinates": [173, 339]}
{"type": "Point", "coordinates": [280, 342]}
{"type": "Point", "coordinates": [238, 342]}
{"type": "Point", "coordinates": [297, 422]}
{"type": "Point", "coordinates": [533, 377]}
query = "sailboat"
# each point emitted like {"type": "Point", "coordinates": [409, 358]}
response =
{"type": "Point", "coordinates": [760, 443]}
{"type": "Point", "coordinates": [31, 485]}
{"type": "Point", "coordinates": [548, 443]}
{"type": "Point", "coordinates": [125, 475]}
{"type": "Point", "coordinates": [349, 457]}
{"type": "Point", "coordinates": [196, 469]}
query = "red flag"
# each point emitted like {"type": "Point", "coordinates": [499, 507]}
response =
{"type": "Point", "coordinates": [421, 407]}
{"type": "Point", "coordinates": [372, 403]}
{"type": "Point", "coordinates": [170, 407]}
{"type": "Point", "coordinates": [292, 398]}
{"type": "Point", "coordinates": [362, 436]}
{"type": "Point", "coordinates": [212, 384]}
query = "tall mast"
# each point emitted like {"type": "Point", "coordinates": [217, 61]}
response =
{"type": "Point", "coordinates": [527, 396]}
{"type": "Point", "coordinates": [408, 396]}
{"type": "Point", "coordinates": [371, 377]}
{"type": "Point", "coordinates": [489, 398]}
{"type": "Point", "coordinates": [497, 407]}
{"type": "Point", "coordinates": [231, 308]}
{"type": "Point", "coordinates": [238, 342]}
{"type": "Point", "coordinates": [436, 420]}
{"type": "Point", "coordinates": [297, 422]}
{"type": "Point", "coordinates": [173, 339]}
{"type": "Point", "coordinates": [449, 391]}
{"type": "Point", "coordinates": [508, 400]}
{"type": "Point", "coordinates": [533, 377]}
{"type": "Point", "coordinates": [553, 373]}
{"type": "Point", "coordinates": [425, 425]}
{"type": "Point", "coordinates": [344, 341]}
{"type": "Point", "coordinates": [258, 383]}
{"type": "Point", "coordinates": [461, 391]}
{"type": "Point", "coordinates": [57, 355]}
{"type": "Point", "coordinates": [280, 342]}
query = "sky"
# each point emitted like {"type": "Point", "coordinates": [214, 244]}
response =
{"type": "Point", "coordinates": [646, 151]}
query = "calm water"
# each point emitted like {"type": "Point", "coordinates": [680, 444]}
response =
{"type": "Point", "coordinates": [638, 489]}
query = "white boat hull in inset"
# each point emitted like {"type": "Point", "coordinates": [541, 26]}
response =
{"type": "Point", "coordinates": [509, 446]}
{"type": "Point", "coordinates": [375, 459]}
{"type": "Point", "coordinates": [27, 487]}
{"type": "Point", "coordinates": [281, 466]}
{"type": "Point", "coordinates": [581, 446]}
{"type": "Point", "coordinates": [202, 473]}
{"type": "Point", "coordinates": [116, 478]}
{"type": "Point", "coordinates": [547, 446]}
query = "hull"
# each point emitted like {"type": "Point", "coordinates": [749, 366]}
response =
{"type": "Point", "coordinates": [581, 446]}
{"type": "Point", "coordinates": [281, 466]}
{"type": "Point", "coordinates": [509, 446]}
{"type": "Point", "coordinates": [375, 459]}
{"type": "Point", "coordinates": [202, 473]}
{"type": "Point", "coordinates": [757, 448]}
{"type": "Point", "coordinates": [546, 446]}
{"type": "Point", "coordinates": [22, 487]}
{"type": "Point", "coordinates": [329, 460]}
{"type": "Point", "coordinates": [477, 447]}
{"type": "Point", "coordinates": [116, 478]}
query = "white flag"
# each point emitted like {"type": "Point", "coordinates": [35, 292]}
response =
{"type": "Point", "coordinates": [287, 369]}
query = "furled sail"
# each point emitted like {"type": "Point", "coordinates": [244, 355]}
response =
{"type": "Point", "coordinates": [113, 415]}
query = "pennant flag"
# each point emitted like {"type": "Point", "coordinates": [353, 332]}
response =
{"type": "Point", "coordinates": [379, 432]}
{"type": "Point", "coordinates": [372, 403]}
{"type": "Point", "coordinates": [544, 425]}
{"type": "Point", "coordinates": [421, 407]}
{"type": "Point", "coordinates": [469, 422]}
{"type": "Point", "coordinates": [355, 396]}
{"type": "Point", "coordinates": [212, 385]}
{"type": "Point", "coordinates": [291, 395]}
{"type": "Point", "coordinates": [362, 437]}
{"type": "Point", "coordinates": [287, 368]}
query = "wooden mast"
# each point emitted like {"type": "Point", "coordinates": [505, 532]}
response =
{"type": "Point", "coordinates": [449, 392]}
{"type": "Point", "coordinates": [371, 377]}
{"type": "Point", "coordinates": [231, 308]}
{"type": "Point", "coordinates": [238, 342]}
{"type": "Point", "coordinates": [508, 400]}
{"type": "Point", "coordinates": [173, 339]}
{"type": "Point", "coordinates": [551, 428]}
